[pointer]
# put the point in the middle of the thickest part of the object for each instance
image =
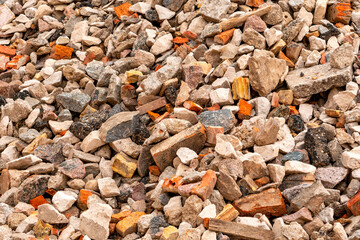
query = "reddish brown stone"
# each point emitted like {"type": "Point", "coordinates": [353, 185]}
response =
{"type": "Point", "coordinates": [224, 37]}
{"type": "Point", "coordinates": [123, 10]}
{"type": "Point", "coordinates": [211, 133]}
{"type": "Point", "coordinates": [354, 204]}
{"type": "Point", "coordinates": [7, 51]}
{"type": "Point", "coordinates": [193, 75]}
{"type": "Point", "coordinates": [4, 181]}
{"type": "Point", "coordinates": [151, 106]}
{"type": "Point", "coordinates": [269, 202]}
{"type": "Point", "coordinates": [39, 200]}
{"type": "Point", "coordinates": [73, 168]}
{"type": "Point", "coordinates": [206, 186]}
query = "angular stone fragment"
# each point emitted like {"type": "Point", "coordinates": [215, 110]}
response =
{"type": "Point", "coordinates": [73, 168]}
{"type": "Point", "coordinates": [313, 80]}
{"type": "Point", "coordinates": [265, 73]}
{"type": "Point", "coordinates": [331, 176]}
{"type": "Point", "coordinates": [18, 110]}
{"type": "Point", "coordinates": [23, 162]}
{"type": "Point", "coordinates": [192, 207]}
{"type": "Point", "coordinates": [49, 214]}
{"type": "Point", "coordinates": [75, 102]}
{"type": "Point", "coordinates": [269, 202]}
{"type": "Point", "coordinates": [241, 89]}
{"type": "Point", "coordinates": [63, 200]}
{"type": "Point", "coordinates": [32, 187]}
{"type": "Point", "coordinates": [213, 10]}
{"type": "Point", "coordinates": [125, 166]}
{"type": "Point", "coordinates": [129, 224]}
{"type": "Point", "coordinates": [221, 118]}
{"type": "Point", "coordinates": [316, 145]}
{"type": "Point", "coordinates": [120, 125]}
{"type": "Point", "coordinates": [306, 195]}
{"type": "Point", "coordinates": [94, 222]}
{"type": "Point", "coordinates": [227, 186]}
{"type": "Point", "coordinates": [165, 151]}
{"type": "Point", "coordinates": [108, 187]}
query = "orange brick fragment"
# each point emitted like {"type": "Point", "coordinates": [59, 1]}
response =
{"type": "Point", "coordinates": [354, 204]}
{"type": "Point", "coordinates": [340, 12]}
{"type": "Point", "coordinates": [206, 186]}
{"type": "Point", "coordinates": [213, 107]}
{"type": "Point", "coordinates": [17, 61]}
{"type": "Point", "coordinates": [269, 202]}
{"type": "Point", "coordinates": [323, 58]}
{"type": "Point", "coordinates": [190, 35]}
{"type": "Point", "coordinates": [129, 224]}
{"type": "Point", "coordinates": [254, 3]}
{"type": "Point", "coordinates": [192, 106]}
{"type": "Point", "coordinates": [172, 184]}
{"type": "Point", "coordinates": [83, 196]}
{"type": "Point", "coordinates": [224, 37]}
{"type": "Point", "coordinates": [153, 115]}
{"type": "Point", "coordinates": [157, 67]}
{"type": "Point", "coordinates": [244, 109]}
{"type": "Point", "coordinates": [61, 52]}
{"type": "Point", "coordinates": [262, 181]}
{"type": "Point", "coordinates": [7, 51]}
{"type": "Point", "coordinates": [281, 55]}
{"type": "Point", "coordinates": [51, 192]}
{"type": "Point", "coordinates": [293, 110]}
{"type": "Point", "coordinates": [180, 40]}
{"type": "Point", "coordinates": [39, 200]}
{"type": "Point", "coordinates": [123, 10]}
{"type": "Point", "coordinates": [120, 216]}
{"type": "Point", "coordinates": [89, 57]}
{"type": "Point", "coordinates": [155, 170]}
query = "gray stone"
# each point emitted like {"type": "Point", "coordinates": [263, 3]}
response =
{"type": "Point", "coordinates": [75, 102]}
{"type": "Point", "coordinates": [305, 82]}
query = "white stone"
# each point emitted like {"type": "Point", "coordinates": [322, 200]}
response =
{"type": "Point", "coordinates": [108, 187]}
{"type": "Point", "coordinates": [49, 214]}
{"type": "Point", "coordinates": [221, 96]}
{"type": "Point", "coordinates": [63, 200]}
{"type": "Point", "coordinates": [164, 13]}
{"type": "Point", "coordinates": [94, 222]}
{"type": "Point", "coordinates": [58, 127]}
{"type": "Point", "coordinates": [294, 231]}
{"type": "Point", "coordinates": [313, 59]}
{"type": "Point", "coordinates": [351, 159]}
{"type": "Point", "coordinates": [208, 212]}
{"type": "Point", "coordinates": [140, 7]}
{"type": "Point", "coordinates": [23, 162]}
{"type": "Point", "coordinates": [162, 44]}
{"type": "Point", "coordinates": [276, 172]}
{"type": "Point", "coordinates": [272, 36]}
{"type": "Point", "coordinates": [91, 142]}
{"type": "Point", "coordinates": [268, 152]}
{"type": "Point", "coordinates": [54, 79]}
{"type": "Point", "coordinates": [80, 31]}
{"type": "Point", "coordinates": [252, 221]}
{"type": "Point", "coordinates": [90, 41]}
{"type": "Point", "coordinates": [186, 155]}
{"type": "Point", "coordinates": [306, 112]}
{"type": "Point", "coordinates": [317, 43]}
{"type": "Point", "coordinates": [320, 10]}
{"type": "Point", "coordinates": [294, 167]}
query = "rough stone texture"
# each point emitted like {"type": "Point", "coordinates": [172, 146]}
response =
{"type": "Point", "coordinates": [316, 145]}
{"type": "Point", "coordinates": [315, 80]}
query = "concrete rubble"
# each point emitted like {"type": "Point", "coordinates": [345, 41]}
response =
{"type": "Point", "coordinates": [179, 119]}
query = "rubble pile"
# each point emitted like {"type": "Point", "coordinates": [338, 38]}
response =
{"type": "Point", "coordinates": [179, 119]}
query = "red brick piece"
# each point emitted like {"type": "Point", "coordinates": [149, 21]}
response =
{"type": "Point", "coordinates": [39, 200]}
{"type": "Point", "coordinates": [7, 51]}
{"type": "Point", "coordinates": [61, 52]}
{"type": "Point", "coordinates": [269, 202]}
{"type": "Point", "coordinates": [206, 186]}
{"type": "Point", "coordinates": [354, 204]}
